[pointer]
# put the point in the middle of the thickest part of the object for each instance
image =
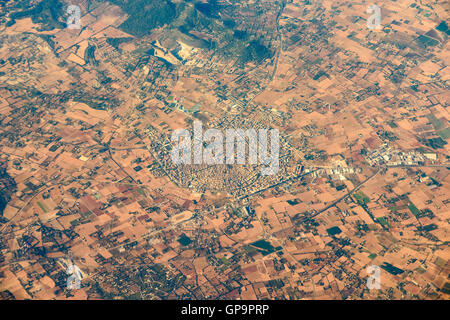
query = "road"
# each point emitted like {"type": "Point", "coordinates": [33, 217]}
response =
{"type": "Point", "coordinates": [335, 202]}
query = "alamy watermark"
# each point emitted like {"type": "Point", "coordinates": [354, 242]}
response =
{"type": "Point", "coordinates": [237, 142]}
{"type": "Point", "coordinates": [374, 279]}
{"type": "Point", "coordinates": [374, 21]}
{"type": "Point", "coordinates": [73, 20]}
{"type": "Point", "coordinates": [74, 273]}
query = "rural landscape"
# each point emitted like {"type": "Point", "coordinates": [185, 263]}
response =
{"type": "Point", "coordinates": [93, 206]}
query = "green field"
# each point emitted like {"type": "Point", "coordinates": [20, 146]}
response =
{"type": "Point", "coordinates": [437, 124]}
{"type": "Point", "coordinates": [43, 207]}
{"type": "Point", "coordinates": [414, 209]}
{"type": "Point", "coordinates": [225, 261]}
{"type": "Point", "coordinates": [444, 134]}
{"type": "Point", "coordinates": [426, 41]}
{"type": "Point", "coordinates": [333, 231]}
{"type": "Point", "coordinates": [264, 246]}
{"type": "Point", "coordinates": [383, 222]}
{"type": "Point", "coordinates": [361, 198]}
